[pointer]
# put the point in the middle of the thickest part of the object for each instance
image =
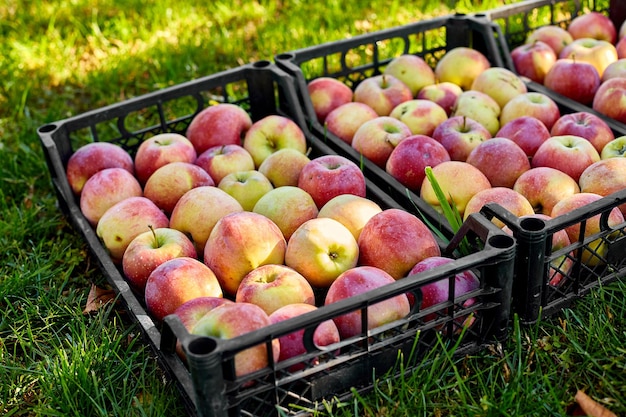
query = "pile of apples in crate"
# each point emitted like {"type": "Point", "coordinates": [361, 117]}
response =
{"type": "Point", "coordinates": [486, 137]}
{"type": "Point", "coordinates": [232, 227]}
{"type": "Point", "coordinates": [585, 61]}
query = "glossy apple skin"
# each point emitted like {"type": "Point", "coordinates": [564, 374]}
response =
{"type": "Point", "coordinates": [443, 93]}
{"type": "Point", "coordinates": [458, 180]}
{"type": "Point", "coordinates": [500, 84]}
{"type": "Point", "coordinates": [239, 243]}
{"type": "Point", "coordinates": [459, 135]}
{"type": "Point", "coordinates": [605, 177]}
{"type": "Point", "coordinates": [481, 107]}
{"type": "Point", "coordinates": [574, 79]}
{"type": "Point", "coordinates": [121, 223]}
{"type": "Point", "coordinates": [421, 116]}
{"type": "Point", "coordinates": [555, 36]}
{"type": "Point", "coordinates": [149, 250]}
{"type": "Point", "coordinates": [533, 60]}
{"type": "Point", "coordinates": [247, 187]}
{"type": "Point", "coordinates": [357, 281]}
{"type": "Point", "coordinates": [395, 240]}
{"type": "Point", "coordinates": [543, 187]}
{"type": "Point", "coordinates": [350, 210]}
{"type": "Point", "coordinates": [270, 134]}
{"type": "Point", "coordinates": [610, 99]}
{"type": "Point", "coordinates": [511, 200]}
{"type": "Point", "coordinates": [533, 104]}
{"type": "Point", "coordinates": [501, 160]}
{"type": "Point", "coordinates": [527, 131]}
{"type": "Point", "coordinates": [586, 125]}
{"type": "Point", "coordinates": [596, 52]}
{"type": "Point", "coordinates": [327, 94]}
{"type": "Point", "coordinates": [292, 344]}
{"type": "Point", "coordinates": [593, 25]}
{"type": "Point", "coordinates": [274, 286]}
{"type": "Point", "coordinates": [221, 160]}
{"type": "Point", "coordinates": [438, 292]}
{"type": "Point", "coordinates": [461, 65]}
{"type": "Point", "coordinates": [170, 182]}
{"type": "Point", "coordinates": [288, 207]}
{"type": "Point", "coordinates": [412, 70]}
{"type": "Point", "coordinates": [191, 217]}
{"type": "Point", "coordinates": [328, 176]}
{"type": "Point", "coordinates": [346, 119]}
{"type": "Point", "coordinates": [104, 189]}
{"type": "Point", "coordinates": [231, 320]}
{"type": "Point", "coordinates": [412, 155]}
{"type": "Point", "coordinates": [382, 93]}
{"type": "Point", "coordinates": [160, 150]}
{"type": "Point", "coordinates": [616, 69]}
{"type": "Point", "coordinates": [377, 138]}
{"type": "Point", "coordinates": [615, 148]}
{"type": "Point", "coordinates": [321, 249]}
{"type": "Point", "coordinates": [177, 281]}
{"type": "Point", "coordinates": [569, 154]}
{"type": "Point", "coordinates": [94, 157]}
{"type": "Point", "coordinates": [220, 124]}
{"type": "Point", "coordinates": [283, 167]}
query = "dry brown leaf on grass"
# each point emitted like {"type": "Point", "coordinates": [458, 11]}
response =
{"type": "Point", "coordinates": [98, 298]}
{"type": "Point", "coordinates": [587, 406]}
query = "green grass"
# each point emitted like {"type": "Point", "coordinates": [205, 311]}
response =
{"type": "Point", "coordinates": [62, 58]}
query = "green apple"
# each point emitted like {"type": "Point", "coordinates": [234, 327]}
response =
{"type": "Point", "coordinates": [481, 107]}
{"type": "Point", "coordinates": [615, 148]}
{"type": "Point", "coordinates": [270, 134]}
{"type": "Point", "coordinates": [247, 187]}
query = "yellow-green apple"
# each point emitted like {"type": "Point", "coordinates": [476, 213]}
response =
{"type": "Point", "coordinates": [412, 70]}
{"type": "Point", "coordinates": [584, 124]}
{"type": "Point", "coordinates": [170, 182]}
{"type": "Point", "coordinates": [239, 243]}
{"type": "Point", "coordinates": [94, 157]}
{"type": "Point", "coordinates": [191, 216]}
{"type": "Point", "coordinates": [327, 94]}
{"type": "Point", "coordinates": [274, 286]}
{"type": "Point", "coordinates": [508, 198]}
{"type": "Point", "coordinates": [458, 180]}
{"type": "Point", "coordinates": [410, 158]}
{"type": "Point", "coordinates": [533, 60]}
{"type": "Point", "coordinates": [283, 167]}
{"type": "Point", "coordinates": [534, 104]}
{"type": "Point", "coordinates": [622, 30]}
{"type": "Point", "coordinates": [568, 153]}
{"type": "Point", "coordinates": [160, 150]}
{"type": "Point", "coordinates": [460, 66]}
{"type": "Point", "coordinates": [479, 106]}
{"type": "Point", "coordinates": [246, 187]}
{"type": "Point", "coordinates": [328, 176]}
{"type": "Point", "coordinates": [593, 25]}
{"type": "Point", "coordinates": [288, 207]}
{"type": "Point", "coordinates": [220, 124]}
{"type": "Point", "coordinates": [555, 36]}
{"type": "Point", "coordinates": [420, 115]}
{"type": "Point", "coordinates": [270, 134]}
{"type": "Point", "coordinates": [443, 93]}
{"type": "Point", "coordinates": [500, 84]}
{"type": "Point", "coordinates": [122, 222]}
{"type": "Point", "coordinates": [573, 78]}
{"type": "Point", "coordinates": [605, 177]}
{"type": "Point", "coordinates": [543, 187]}
{"type": "Point", "coordinates": [350, 210]}
{"type": "Point", "coordinates": [231, 320]}
{"type": "Point", "coordinates": [149, 250]}
{"type": "Point", "coordinates": [360, 280]}
{"type": "Point", "coordinates": [527, 131]}
{"type": "Point", "coordinates": [382, 93]}
{"type": "Point", "coordinates": [105, 188]}
{"type": "Point", "coordinates": [615, 148]}
{"type": "Point", "coordinates": [615, 69]}
{"type": "Point", "coordinates": [459, 135]}
{"type": "Point", "coordinates": [321, 249]}
{"type": "Point", "coordinates": [501, 160]}
{"type": "Point", "coordinates": [293, 345]}
{"type": "Point", "coordinates": [593, 51]}
{"type": "Point", "coordinates": [620, 48]}
{"type": "Point", "coordinates": [176, 281]}
{"type": "Point", "coordinates": [594, 252]}
{"type": "Point", "coordinates": [344, 121]}
{"type": "Point", "coordinates": [394, 240]}
{"type": "Point", "coordinates": [438, 292]}
{"type": "Point", "coordinates": [377, 138]}
{"type": "Point", "coordinates": [560, 267]}
{"type": "Point", "coordinates": [610, 99]}
{"type": "Point", "coordinates": [222, 160]}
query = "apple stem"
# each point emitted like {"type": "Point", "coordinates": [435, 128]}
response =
{"type": "Point", "coordinates": [154, 235]}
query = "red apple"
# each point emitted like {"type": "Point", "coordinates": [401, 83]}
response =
{"type": "Point", "coordinates": [533, 60]}
{"type": "Point", "coordinates": [574, 79]}
{"type": "Point", "coordinates": [555, 36]}
{"type": "Point", "coordinates": [177, 281]}
{"type": "Point", "coordinates": [509, 199]}
{"type": "Point", "coordinates": [460, 65]}
{"type": "Point", "coordinates": [620, 48]}
{"type": "Point", "coordinates": [94, 157]}
{"type": "Point", "coordinates": [533, 104]}
{"type": "Point", "coordinates": [527, 131]}
{"type": "Point", "coordinates": [360, 280]}
{"type": "Point", "coordinates": [346, 119]}
{"type": "Point", "coordinates": [222, 160]}
{"type": "Point", "coordinates": [421, 116]}
{"type": "Point", "coordinates": [412, 70]}
{"type": "Point", "coordinates": [350, 210]}
{"type": "Point", "coordinates": [328, 176]}
{"type": "Point", "coordinates": [459, 135]}
{"type": "Point", "coordinates": [569, 154]}
{"type": "Point", "coordinates": [543, 187]}
{"type": "Point", "coordinates": [283, 167]}
{"type": "Point", "coordinates": [377, 138]}
{"type": "Point", "coordinates": [409, 159]}
{"type": "Point", "coordinates": [610, 99]}
{"type": "Point", "coordinates": [443, 93]}
{"type": "Point", "coordinates": [220, 124]}
{"type": "Point", "coordinates": [501, 160]}
{"type": "Point", "coordinates": [586, 125]}
{"type": "Point", "coordinates": [605, 177]}
{"type": "Point", "coordinates": [382, 93]}
{"type": "Point", "coordinates": [596, 52]}
{"type": "Point", "coordinates": [593, 25]}
{"type": "Point", "coordinates": [327, 94]}
{"type": "Point", "coordinates": [395, 240]}
{"type": "Point", "coordinates": [160, 150]}
{"type": "Point", "coordinates": [272, 133]}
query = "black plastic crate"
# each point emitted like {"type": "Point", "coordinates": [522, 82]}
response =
{"type": "Point", "coordinates": [206, 385]}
